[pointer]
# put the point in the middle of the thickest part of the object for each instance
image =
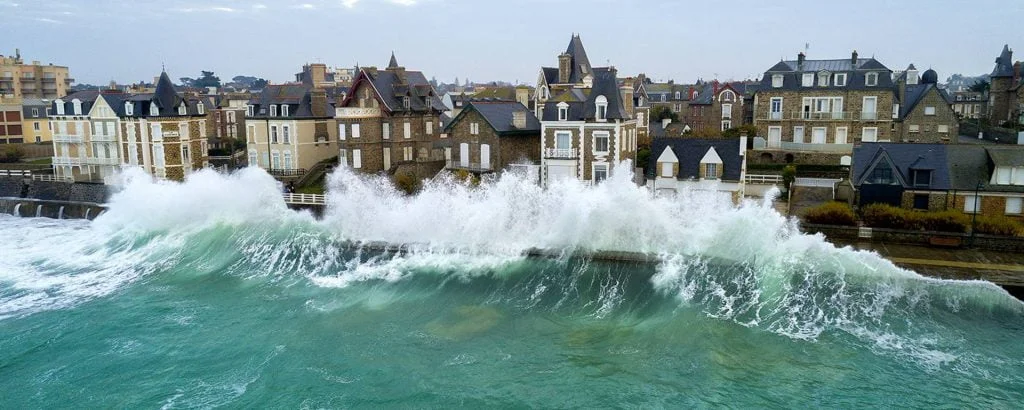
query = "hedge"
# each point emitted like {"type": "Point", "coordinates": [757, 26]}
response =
{"type": "Point", "coordinates": [831, 213]}
{"type": "Point", "coordinates": [887, 216]}
{"type": "Point", "coordinates": [998, 225]}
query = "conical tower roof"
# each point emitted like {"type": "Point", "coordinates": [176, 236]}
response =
{"type": "Point", "coordinates": [165, 96]}
{"type": "Point", "coordinates": [394, 61]}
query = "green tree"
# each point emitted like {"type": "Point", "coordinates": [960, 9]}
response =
{"type": "Point", "coordinates": [259, 84]}
{"type": "Point", "coordinates": [981, 86]}
{"type": "Point", "coordinates": [662, 112]}
{"type": "Point", "coordinates": [748, 129]}
{"type": "Point", "coordinates": [207, 80]}
{"type": "Point", "coordinates": [788, 176]}
{"type": "Point", "coordinates": [643, 158]}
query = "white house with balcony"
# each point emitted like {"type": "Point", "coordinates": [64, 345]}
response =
{"type": "Point", "coordinates": [85, 136]}
{"type": "Point", "coordinates": [714, 165]}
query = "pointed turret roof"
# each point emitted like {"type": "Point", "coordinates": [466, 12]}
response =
{"type": "Point", "coordinates": [1004, 64]}
{"type": "Point", "coordinates": [394, 61]}
{"type": "Point", "coordinates": [165, 96]}
{"type": "Point", "coordinates": [580, 63]}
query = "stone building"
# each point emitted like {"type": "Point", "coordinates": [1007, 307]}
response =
{"type": "Point", "coordinates": [391, 119]}
{"type": "Point", "coordinates": [85, 135]}
{"type": "Point", "coordinates": [587, 123]}
{"type": "Point", "coordinates": [970, 104]}
{"type": "Point", "coordinates": [35, 80]}
{"type": "Point", "coordinates": [986, 179]}
{"type": "Point", "coordinates": [817, 109]}
{"type": "Point", "coordinates": [165, 132]}
{"type": "Point", "coordinates": [717, 107]}
{"type": "Point", "coordinates": [924, 110]}
{"type": "Point", "coordinates": [289, 128]}
{"type": "Point", "coordinates": [229, 120]}
{"type": "Point", "coordinates": [1006, 92]}
{"type": "Point", "coordinates": [35, 121]}
{"type": "Point", "coordinates": [490, 136]}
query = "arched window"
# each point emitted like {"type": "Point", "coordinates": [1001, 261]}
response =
{"type": "Point", "coordinates": [200, 108]}
{"type": "Point", "coordinates": [129, 108]}
{"type": "Point", "coordinates": [678, 95]}
{"type": "Point", "coordinates": [728, 95]}
{"type": "Point", "coordinates": [77, 106]}
{"type": "Point", "coordinates": [181, 109]}
{"type": "Point", "coordinates": [154, 110]}
{"type": "Point", "coordinates": [601, 104]}
{"type": "Point", "coordinates": [60, 106]}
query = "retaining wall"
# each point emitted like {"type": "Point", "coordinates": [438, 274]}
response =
{"type": "Point", "coordinates": [924, 238]}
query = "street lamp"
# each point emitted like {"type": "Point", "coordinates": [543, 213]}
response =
{"type": "Point", "coordinates": [974, 217]}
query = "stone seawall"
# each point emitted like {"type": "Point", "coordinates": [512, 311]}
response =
{"type": "Point", "coordinates": [923, 238]}
{"type": "Point", "coordinates": [60, 200]}
{"type": "Point", "coordinates": [27, 207]}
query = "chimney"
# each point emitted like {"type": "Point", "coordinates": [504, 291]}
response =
{"type": "Point", "coordinates": [564, 68]}
{"type": "Point", "coordinates": [523, 96]}
{"type": "Point", "coordinates": [318, 73]}
{"type": "Point", "coordinates": [318, 102]}
{"type": "Point", "coordinates": [800, 61]}
{"type": "Point", "coordinates": [519, 119]}
{"type": "Point", "coordinates": [911, 75]}
{"type": "Point", "coordinates": [1016, 71]}
{"type": "Point", "coordinates": [853, 58]}
{"type": "Point", "coordinates": [626, 93]}
{"type": "Point", "coordinates": [714, 88]}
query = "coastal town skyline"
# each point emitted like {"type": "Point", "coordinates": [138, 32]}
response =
{"type": "Point", "coordinates": [665, 46]}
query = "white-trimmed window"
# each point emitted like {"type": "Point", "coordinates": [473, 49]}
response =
{"type": "Point", "coordinates": [1014, 205]}
{"type": "Point", "coordinates": [710, 170]}
{"type": "Point", "coordinates": [154, 109]}
{"type": "Point", "coordinates": [386, 130]}
{"type": "Point", "coordinates": [601, 104]}
{"type": "Point", "coordinates": [563, 111]}
{"type": "Point", "coordinates": [841, 135]}
{"type": "Point", "coordinates": [943, 129]}
{"type": "Point", "coordinates": [429, 128]}
{"type": "Point", "coordinates": [823, 79]}
{"type": "Point", "coordinates": [129, 108]}
{"type": "Point", "coordinates": [727, 110]}
{"type": "Point", "coordinates": [249, 110]}
{"type": "Point", "coordinates": [563, 140]}
{"type": "Point", "coordinates": [777, 81]}
{"type": "Point", "coordinates": [601, 142]}
{"type": "Point", "coordinates": [678, 95]}
{"type": "Point", "coordinates": [971, 204]}
{"type": "Point", "coordinates": [666, 169]}
{"type": "Point", "coordinates": [343, 156]}
{"type": "Point", "coordinates": [407, 154]}
{"type": "Point", "coordinates": [819, 135]}
{"type": "Point", "coordinates": [159, 160]}
{"type": "Point", "coordinates": [285, 132]}
{"type": "Point", "coordinates": [600, 173]}
{"type": "Point", "coordinates": [807, 80]}
{"type": "Point", "coordinates": [252, 158]}
{"type": "Point", "coordinates": [407, 130]}
{"type": "Point", "coordinates": [775, 109]}
{"type": "Point", "coordinates": [355, 130]}
{"type": "Point", "coordinates": [155, 133]}
{"type": "Point", "coordinates": [60, 106]}
{"type": "Point", "coordinates": [284, 110]}
{"type": "Point", "coordinates": [726, 124]}
{"type": "Point", "coordinates": [798, 134]}
{"type": "Point", "coordinates": [405, 102]}
{"type": "Point", "coordinates": [275, 160]}
{"type": "Point", "coordinates": [273, 134]}
{"type": "Point", "coordinates": [76, 106]}
{"type": "Point", "coordinates": [273, 110]}
{"type": "Point", "coordinates": [287, 156]}
{"type": "Point", "coordinates": [201, 108]}
{"type": "Point", "coordinates": [728, 95]}
{"type": "Point", "coordinates": [869, 134]}
{"type": "Point", "coordinates": [341, 132]}
{"type": "Point", "coordinates": [357, 158]}
{"type": "Point", "coordinates": [182, 110]}
{"type": "Point", "coordinates": [871, 79]}
{"type": "Point", "coordinates": [840, 80]}
{"type": "Point", "coordinates": [915, 128]}
{"type": "Point", "coordinates": [929, 110]}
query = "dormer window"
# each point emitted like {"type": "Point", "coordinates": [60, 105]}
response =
{"type": "Point", "coordinates": [273, 110]}
{"type": "Point", "coordinates": [284, 110]}
{"type": "Point", "coordinates": [249, 110]}
{"type": "Point", "coordinates": [182, 110]}
{"type": "Point", "coordinates": [60, 106]}
{"type": "Point", "coordinates": [129, 108]}
{"type": "Point", "coordinates": [678, 95]}
{"type": "Point", "coordinates": [201, 109]}
{"type": "Point", "coordinates": [807, 80]}
{"type": "Point", "coordinates": [154, 110]}
{"type": "Point", "coordinates": [693, 95]}
{"type": "Point", "coordinates": [563, 111]}
{"type": "Point", "coordinates": [728, 95]}
{"type": "Point", "coordinates": [776, 81]}
{"type": "Point", "coordinates": [823, 79]}
{"type": "Point", "coordinates": [76, 106]}
{"type": "Point", "coordinates": [602, 108]}
{"type": "Point", "coordinates": [405, 102]}
{"type": "Point", "coordinates": [922, 178]}
{"type": "Point", "coordinates": [871, 79]}
{"type": "Point", "coordinates": [840, 80]}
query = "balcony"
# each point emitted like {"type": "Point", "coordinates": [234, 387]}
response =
{"type": "Point", "coordinates": [868, 116]}
{"type": "Point", "coordinates": [67, 138]}
{"type": "Point", "coordinates": [761, 145]}
{"type": "Point", "coordinates": [822, 116]}
{"type": "Point", "coordinates": [470, 166]}
{"type": "Point", "coordinates": [103, 161]}
{"type": "Point", "coordinates": [50, 80]}
{"type": "Point", "coordinates": [102, 138]}
{"type": "Point", "coordinates": [561, 153]}
{"type": "Point", "coordinates": [356, 112]}
{"type": "Point", "coordinates": [67, 161]}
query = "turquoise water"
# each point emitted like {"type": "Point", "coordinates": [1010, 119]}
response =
{"type": "Point", "coordinates": [243, 304]}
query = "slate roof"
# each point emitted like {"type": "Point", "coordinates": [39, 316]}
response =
{"type": "Point", "coordinates": [395, 83]}
{"type": "Point", "coordinates": [581, 102]}
{"type": "Point", "coordinates": [691, 151]}
{"type": "Point", "coordinates": [655, 130]}
{"type": "Point", "coordinates": [296, 96]}
{"type": "Point", "coordinates": [954, 167]}
{"type": "Point", "coordinates": [86, 98]}
{"type": "Point", "coordinates": [855, 74]}
{"type": "Point", "coordinates": [27, 104]}
{"type": "Point", "coordinates": [1004, 63]}
{"type": "Point", "coordinates": [499, 116]}
{"type": "Point", "coordinates": [578, 60]}
{"type": "Point", "coordinates": [1006, 156]}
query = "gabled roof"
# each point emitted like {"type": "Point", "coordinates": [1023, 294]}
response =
{"type": "Point", "coordinates": [392, 85]}
{"type": "Point", "coordinates": [902, 158]}
{"type": "Point", "coordinates": [1006, 156]}
{"type": "Point", "coordinates": [1004, 63]}
{"type": "Point", "coordinates": [579, 63]}
{"type": "Point", "coordinates": [297, 97]}
{"type": "Point", "coordinates": [498, 116]}
{"type": "Point", "coordinates": [690, 152]}
{"type": "Point", "coordinates": [582, 104]}
{"type": "Point", "coordinates": [914, 94]}
{"type": "Point", "coordinates": [85, 98]}
{"type": "Point", "coordinates": [166, 95]}
{"type": "Point", "coordinates": [855, 73]}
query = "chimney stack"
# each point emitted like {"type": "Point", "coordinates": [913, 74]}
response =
{"type": "Point", "coordinates": [519, 119]}
{"type": "Point", "coordinates": [523, 95]}
{"type": "Point", "coordinates": [626, 93]}
{"type": "Point", "coordinates": [564, 68]}
{"type": "Point", "coordinates": [853, 58]}
{"type": "Point", "coordinates": [1016, 71]}
{"type": "Point", "coordinates": [318, 102]}
{"type": "Point", "coordinates": [800, 61]}
{"type": "Point", "coordinates": [318, 73]}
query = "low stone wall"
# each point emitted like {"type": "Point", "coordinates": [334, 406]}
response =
{"type": "Point", "coordinates": [848, 233]}
{"type": "Point", "coordinates": [29, 208]}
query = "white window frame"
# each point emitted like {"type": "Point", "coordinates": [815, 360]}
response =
{"type": "Point", "coordinates": [727, 111]}
{"type": "Point", "coordinates": [407, 130]}
{"type": "Point", "coordinates": [777, 81]}
{"type": "Point", "coordinates": [871, 79]}
{"type": "Point", "coordinates": [286, 135]}
{"type": "Point", "coordinates": [429, 127]}
{"type": "Point", "coordinates": [864, 134]}
{"type": "Point", "coordinates": [341, 131]}
{"type": "Point", "coordinates": [129, 108]}
{"type": "Point", "coordinates": [823, 78]}
{"type": "Point", "coordinates": [284, 110]}
{"type": "Point", "coordinates": [840, 80]}
{"type": "Point", "coordinates": [201, 108]}
{"type": "Point", "coordinates": [407, 153]}
{"type": "Point", "coordinates": [972, 202]}
{"type": "Point", "coordinates": [386, 130]}
{"type": "Point", "coordinates": [182, 109]}
{"type": "Point", "coordinates": [775, 144]}
{"type": "Point", "coordinates": [824, 133]}
{"type": "Point", "coordinates": [914, 128]}
{"type": "Point", "coordinates": [357, 158]}
{"type": "Point", "coordinates": [273, 110]}
{"type": "Point", "coordinates": [355, 131]}
{"type": "Point", "coordinates": [710, 171]}
{"type": "Point", "coordinates": [273, 135]}
{"type": "Point", "coordinates": [666, 169]}
{"type": "Point", "coordinates": [154, 109]}
{"type": "Point", "coordinates": [726, 124]}
{"type": "Point", "coordinates": [250, 111]}
{"type": "Point", "coordinates": [774, 114]}
{"type": "Point", "coordinates": [605, 135]}
{"type": "Point", "coordinates": [845, 132]}
{"type": "Point", "coordinates": [929, 110]}
{"type": "Point", "coordinates": [76, 106]}
{"type": "Point", "coordinates": [568, 139]}
{"type": "Point", "coordinates": [1014, 205]}
{"type": "Point", "coordinates": [943, 129]}
{"type": "Point", "coordinates": [593, 172]}
{"type": "Point", "coordinates": [807, 80]}
{"type": "Point", "coordinates": [563, 112]}
{"type": "Point", "coordinates": [798, 134]}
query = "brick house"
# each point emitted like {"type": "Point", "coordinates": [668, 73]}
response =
{"type": "Point", "coordinates": [391, 118]}
{"type": "Point", "coordinates": [290, 128]}
{"type": "Point", "coordinates": [164, 132]}
{"type": "Point", "coordinates": [676, 97]}
{"type": "Point", "coordinates": [937, 177]}
{"type": "Point", "coordinates": [489, 136]}
{"type": "Point", "coordinates": [716, 107]}
{"type": "Point", "coordinates": [587, 124]}
{"type": "Point", "coordinates": [925, 112]}
{"type": "Point", "coordinates": [816, 110]}
{"type": "Point", "coordinates": [229, 120]}
{"type": "Point", "coordinates": [1006, 93]}
{"type": "Point", "coordinates": [699, 164]}
{"type": "Point", "coordinates": [970, 104]}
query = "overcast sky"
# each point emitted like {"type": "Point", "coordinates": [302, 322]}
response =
{"type": "Point", "coordinates": [126, 41]}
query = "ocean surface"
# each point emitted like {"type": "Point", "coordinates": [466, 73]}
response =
{"type": "Point", "coordinates": [211, 293]}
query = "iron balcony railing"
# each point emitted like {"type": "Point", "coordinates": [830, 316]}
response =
{"type": "Point", "coordinates": [470, 166]}
{"type": "Point", "coordinates": [298, 172]}
{"type": "Point", "coordinates": [103, 161]}
{"type": "Point", "coordinates": [67, 138]}
{"type": "Point", "coordinates": [561, 153]}
{"type": "Point", "coordinates": [305, 199]}
{"type": "Point", "coordinates": [67, 161]}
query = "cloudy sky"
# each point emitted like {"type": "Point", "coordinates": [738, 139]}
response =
{"type": "Point", "coordinates": [103, 40]}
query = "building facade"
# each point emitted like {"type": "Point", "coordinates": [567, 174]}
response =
{"type": "Point", "coordinates": [11, 126]}
{"type": "Point", "coordinates": [926, 114]}
{"type": "Point", "coordinates": [491, 136]}
{"type": "Point", "coordinates": [822, 107]}
{"type": "Point", "coordinates": [34, 80]}
{"type": "Point", "coordinates": [970, 104]}
{"type": "Point", "coordinates": [289, 128]}
{"type": "Point", "coordinates": [85, 135]}
{"type": "Point", "coordinates": [229, 121]}
{"type": "Point", "coordinates": [391, 118]}
{"type": "Point", "coordinates": [1006, 92]}
{"type": "Point", "coordinates": [717, 165]}
{"type": "Point", "coordinates": [587, 123]}
{"type": "Point", "coordinates": [36, 121]}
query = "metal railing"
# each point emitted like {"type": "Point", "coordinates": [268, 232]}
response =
{"type": "Point", "coordinates": [469, 166]}
{"type": "Point", "coordinates": [868, 116]}
{"type": "Point", "coordinates": [67, 161]}
{"type": "Point", "coordinates": [816, 182]}
{"type": "Point", "coordinates": [102, 138]}
{"type": "Point", "coordinates": [305, 199]}
{"type": "Point", "coordinates": [52, 178]}
{"type": "Point", "coordinates": [298, 172]}
{"type": "Point", "coordinates": [567, 153]}
{"type": "Point", "coordinates": [67, 138]}
{"type": "Point", "coordinates": [103, 161]}
{"type": "Point", "coordinates": [762, 179]}
{"type": "Point", "coordinates": [15, 173]}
